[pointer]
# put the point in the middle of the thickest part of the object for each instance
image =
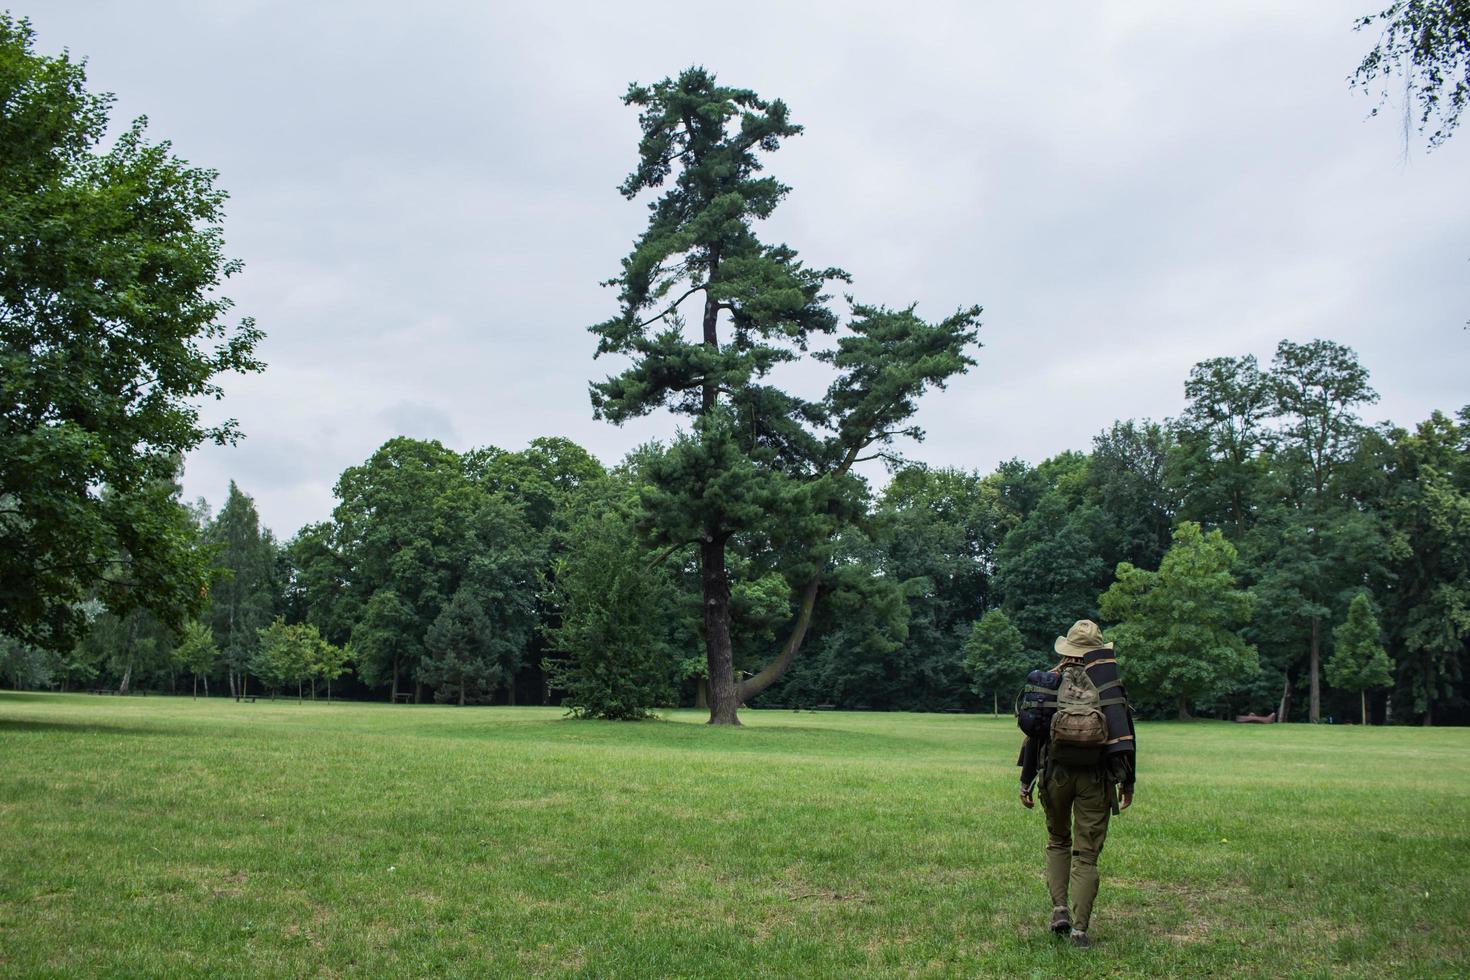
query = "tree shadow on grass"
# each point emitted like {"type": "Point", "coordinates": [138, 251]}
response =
{"type": "Point", "coordinates": [8, 725]}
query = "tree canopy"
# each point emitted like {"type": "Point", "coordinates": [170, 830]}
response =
{"type": "Point", "coordinates": [112, 330]}
{"type": "Point", "coordinates": [1178, 628]}
{"type": "Point", "coordinates": [1358, 659]}
{"type": "Point", "coordinates": [995, 655]}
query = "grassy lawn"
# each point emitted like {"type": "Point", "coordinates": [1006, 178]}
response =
{"type": "Point", "coordinates": [170, 836]}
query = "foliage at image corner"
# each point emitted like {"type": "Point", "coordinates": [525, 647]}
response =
{"type": "Point", "coordinates": [1427, 44]}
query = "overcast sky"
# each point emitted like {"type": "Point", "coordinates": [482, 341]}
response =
{"type": "Point", "coordinates": [424, 197]}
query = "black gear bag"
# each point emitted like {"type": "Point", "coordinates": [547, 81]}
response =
{"type": "Point", "coordinates": [1038, 702]}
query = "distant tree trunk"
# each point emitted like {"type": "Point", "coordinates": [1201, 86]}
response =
{"type": "Point", "coordinates": [1428, 691]}
{"type": "Point", "coordinates": [329, 689]}
{"type": "Point", "coordinates": [394, 697]}
{"type": "Point", "coordinates": [701, 692]}
{"type": "Point", "coordinates": [230, 677]}
{"type": "Point", "coordinates": [1281, 712]}
{"type": "Point", "coordinates": [196, 687]}
{"type": "Point", "coordinates": [1363, 705]}
{"type": "Point", "coordinates": [1315, 710]}
{"type": "Point", "coordinates": [418, 692]}
{"type": "Point", "coordinates": [1183, 708]}
{"type": "Point", "coordinates": [510, 693]}
{"type": "Point", "coordinates": [461, 689]}
{"type": "Point", "coordinates": [126, 677]}
{"type": "Point", "coordinates": [299, 698]}
{"type": "Point", "coordinates": [994, 704]}
{"type": "Point", "coordinates": [206, 685]}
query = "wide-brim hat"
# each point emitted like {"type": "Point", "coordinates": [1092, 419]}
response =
{"type": "Point", "coordinates": [1082, 638]}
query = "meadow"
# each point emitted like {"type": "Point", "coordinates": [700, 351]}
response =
{"type": "Point", "coordinates": [167, 836]}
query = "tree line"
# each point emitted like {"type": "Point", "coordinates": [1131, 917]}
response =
{"type": "Point", "coordinates": [1264, 551]}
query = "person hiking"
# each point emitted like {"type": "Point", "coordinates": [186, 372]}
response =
{"type": "Point", "coordinates": [1084, 757]}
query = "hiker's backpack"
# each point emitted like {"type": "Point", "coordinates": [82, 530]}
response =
{"type": "Point", "coordinates": [1037, 703]}
{"type": "Point", "coordinates": [1079, 730]}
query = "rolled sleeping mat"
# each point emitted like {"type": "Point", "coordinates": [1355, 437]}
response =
{"type": "Point", "coordinates": [1102, 669]}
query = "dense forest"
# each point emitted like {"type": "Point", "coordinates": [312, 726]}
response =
{"type": "Point", "coordinates": [1223, 549]}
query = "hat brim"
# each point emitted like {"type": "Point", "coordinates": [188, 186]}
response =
{"type": "Point", "coordinates": [1067, 648]}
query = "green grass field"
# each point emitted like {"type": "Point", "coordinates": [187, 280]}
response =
{"type": "Point", "coordinates": [150, 836]}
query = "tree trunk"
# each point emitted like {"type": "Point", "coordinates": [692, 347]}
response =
{"type": "Point", "coordinates": [128, 676]}
{"type": "Point", "coordinates": [461, 690]}
{"type": "Point", "coordinates": [1314, 711]}
{"type": "Point", "coordinates": [196, 687]}
{"type": "Point", "coordinates": [1428, 693]}
{"type": "Point", "coordinates": [418, 692]}
{"type": "Point", "coordinates": [994, 704]}
{"type": "Point", "coordinates": [724, 693]}
{"type": "Point", "coordinates": [393, 695]}
{"type": "Point", "coordinates": [1284, 710]}
{"type": "Point", "coordinates": [710, 326]}
{"type": "Point", "coordinates": [755, 685]}
{"type": "Point", "coordinates": [701, 692]}
{"type": "Point", "coordinates": [1183, 708]}
{"type": "Point", "coordinates": [510, 693]}
{"type": "Point", "coordinates": [206, 685]}
{"type": "Point", "coordinates": [329, 690]}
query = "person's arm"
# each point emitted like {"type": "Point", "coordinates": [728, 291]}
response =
{"type": "Point", "coordinates": [1028, 762]}
{"type": "Point", "coordinates": [1120, 768]}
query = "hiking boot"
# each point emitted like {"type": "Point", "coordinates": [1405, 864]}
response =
{"type": "Point", "coordinates": [1080, 940]}
{"type": "Point", "coordinates": [1061, 922]}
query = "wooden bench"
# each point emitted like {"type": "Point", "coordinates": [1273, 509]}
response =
{"type": "Point", "coordinates": [825, 707]}
{"type": "Point", "coordinates": [402, 697]}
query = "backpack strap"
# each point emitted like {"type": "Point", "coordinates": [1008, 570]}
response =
{"type": "Point", "coordinates": [1046, 702]}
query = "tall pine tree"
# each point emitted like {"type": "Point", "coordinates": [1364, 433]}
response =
{"type": "Point", "coordinates": [757, 462]}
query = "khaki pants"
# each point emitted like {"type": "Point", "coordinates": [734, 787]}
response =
{"type": "Point", "coordinates": [1076, 805]}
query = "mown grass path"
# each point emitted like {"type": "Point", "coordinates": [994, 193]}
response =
{"type": "Point", "coordinates": [169, 836]}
